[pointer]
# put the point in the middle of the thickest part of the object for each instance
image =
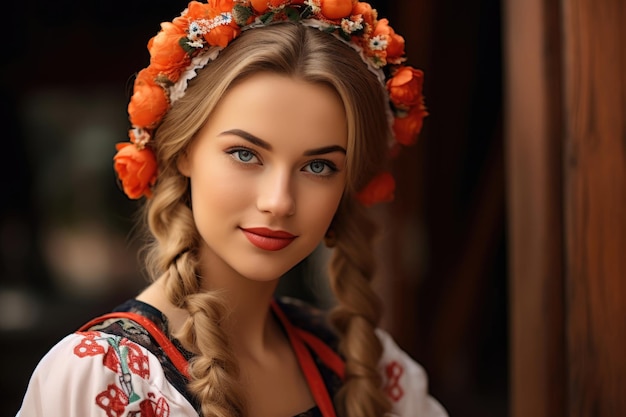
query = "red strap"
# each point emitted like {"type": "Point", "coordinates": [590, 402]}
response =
{"type": "Point", "coordinates": [164, 342]}
{"type": "Point", "coordinates": [324, 352]}
{"type": "Point", "coordinates": [311, 373]}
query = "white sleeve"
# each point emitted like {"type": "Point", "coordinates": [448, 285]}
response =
{"type": "Point", "coordinates": [100, 375]}
{"type": "Point", "coordinates": [405, 382]}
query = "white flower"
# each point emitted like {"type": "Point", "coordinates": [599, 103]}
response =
{"type": "Point", "coordinates": [141, 137]}
{"type": "Point", "coordinates": [378, 43]}
{"type": "Point", "coordinates": [315, 6]}
{"type": "Point", "coordinates": [194, 32]}
{"type": "Point", "coordinates": [196, 44]}
{"type": "Point", "coordinates": [352, 25]}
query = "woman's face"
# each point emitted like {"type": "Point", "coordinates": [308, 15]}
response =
{"type": "Point", "coordinates": [267, 172]}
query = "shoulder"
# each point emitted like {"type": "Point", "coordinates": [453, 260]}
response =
{"type": "Point", "coordinates": [405, 382]}
{"type": "Point", "coordinates": [96, 373]}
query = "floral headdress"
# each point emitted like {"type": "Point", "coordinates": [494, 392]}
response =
{"type": "Point", "coordinates": [196, 37]}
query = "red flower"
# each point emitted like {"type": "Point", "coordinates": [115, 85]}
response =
{"type": "Point", "coordinates": [407, 128]}
{"type": "Point", "coordinates": [395, 43]}
{"type": "Point", "coordinates": [405, 88]}
{"type": "Point", "coordinates": [379, 190]}
{"type": "Point", "coordinates": [136, 168]}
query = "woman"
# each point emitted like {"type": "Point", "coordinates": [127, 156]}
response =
{"type": "Point", "coordinates": [260, 129]}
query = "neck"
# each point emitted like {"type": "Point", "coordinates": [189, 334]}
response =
{"type": "Point", "coordinates": [248, 322]}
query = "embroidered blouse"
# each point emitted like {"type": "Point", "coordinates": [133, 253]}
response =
{"type": "Point", "coordinates": [119, 368]}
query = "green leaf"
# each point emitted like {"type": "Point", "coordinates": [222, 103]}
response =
{"type": "Point", "coordinates": [292, 14]}
{"type": "Point", "coordinates": [267, 17]}
{"type": "Point", "coordinates": [163, 80]}
{"type": "Point", "coordinates": [241, 14]}
{"type": "Point", "coordinates": [344, 35]}
{"type": "Point", "coordinates": [183, 42]}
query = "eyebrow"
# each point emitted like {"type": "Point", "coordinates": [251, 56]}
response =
{"type": "Point", "coordinates": [263, 144]}
{"type": "Point", "coordinates": [249, 137]}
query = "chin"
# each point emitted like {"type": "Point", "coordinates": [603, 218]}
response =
{"type": "Point", "coordinates": [267, 270]}
{"type": "Point", "coordinates": [270, 274]}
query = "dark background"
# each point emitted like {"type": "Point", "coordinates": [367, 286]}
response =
{"type": "Point", "coordinates": [66, 246]}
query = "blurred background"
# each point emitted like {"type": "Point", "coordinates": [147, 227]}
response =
{"type": "Point", "coordinates": [502, 270]}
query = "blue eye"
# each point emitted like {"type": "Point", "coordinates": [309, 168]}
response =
{"type": "Point", "coordinates": [317, 167]}
{"type": "Point", "coordinates": [243, 155]}
{"type": "Point", "coordinates": [321, 168]}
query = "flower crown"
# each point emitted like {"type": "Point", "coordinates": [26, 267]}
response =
{"type": "Point", "coordinates": [196, 37]}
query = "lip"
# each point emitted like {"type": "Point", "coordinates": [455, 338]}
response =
{"type": "Point", "coordinates": [268, 239]}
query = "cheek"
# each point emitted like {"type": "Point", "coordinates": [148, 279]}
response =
{"type": "Point", "coordinates": [218, 189]}
{"type": "Point", "coordinates": [321, 207]}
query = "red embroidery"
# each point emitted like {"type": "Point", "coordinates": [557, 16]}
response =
{"type": "Point", "coordinates": [88, 346]}
{"type": "Point", "coordinates": [113, 401]}
{"type": "Point", "coordinates": [111, 360]}
{"type": "Point", "coordinates": [393, 388]}
{"type": "Point", "coordinates": [122, 357]}
{"type": "Point", "coordinates": [138, 362]}
{"type": "Point", "coordinates": [150, 408]}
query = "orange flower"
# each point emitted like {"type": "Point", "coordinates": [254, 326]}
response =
{"type": "Point", "coordinates": [182, 21]}
{"type": "Point", "coordinates": [407, 128]}
{"type": "Point", "coordinates": [395, 42]}
{"type": "Point", "coordinates": [220, 6]}
{"type": "Point", "coordinates": [220, 35]}
{"type": "Point", "coordinates": [166, 55]}
{"type": "Point", "coordinates": [405, 88]}
{"type": "Point", "coordinates": [197, 10]}
{"type": "Point", "coordinates": [261, 6]}
{"type": "Point", "coordinates": [379, 190]}
{"type": "Point", "coordinates": [136, 168]}
{"type": "Point", "coordinates": [336, 9]}
{"type": "Point", "coordinates": [209, 10]}
{"type": "Point", "coordinates": [148, 103]}
{"type": "Point", "coordinates": [365, 10]}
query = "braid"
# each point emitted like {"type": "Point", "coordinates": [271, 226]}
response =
{"type": "Point", "coordinates": [357, 314]}
{"type": "Point", "coordinates": [172, 255]}
{"type": "Point", "coordinates": [214, 371]}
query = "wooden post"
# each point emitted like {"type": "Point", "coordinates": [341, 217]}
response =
{"type": "Point", "coordinates": [595, 205]}
{"type": "Point", "coordinates": [533, 151]}
{"type": "Point", "coordinates": [566, 154]}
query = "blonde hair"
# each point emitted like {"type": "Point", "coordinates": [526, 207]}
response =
{"type": "Point", "coordinates": [316, 57]}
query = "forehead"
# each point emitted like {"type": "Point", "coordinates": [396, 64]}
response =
{"type": "Point", "coordinates": [281, 108]}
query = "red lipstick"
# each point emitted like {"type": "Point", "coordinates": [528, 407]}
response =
{"type": "Point", "coordinates": [267, 239]}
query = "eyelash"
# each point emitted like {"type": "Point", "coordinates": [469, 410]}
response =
{"type": "Point", "coordinates": [236, 155]}
{"type": "Point", "coordinates": [332, 167]}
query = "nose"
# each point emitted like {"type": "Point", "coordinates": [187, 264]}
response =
{"type": "Point", "coordinates": [275, 194]}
